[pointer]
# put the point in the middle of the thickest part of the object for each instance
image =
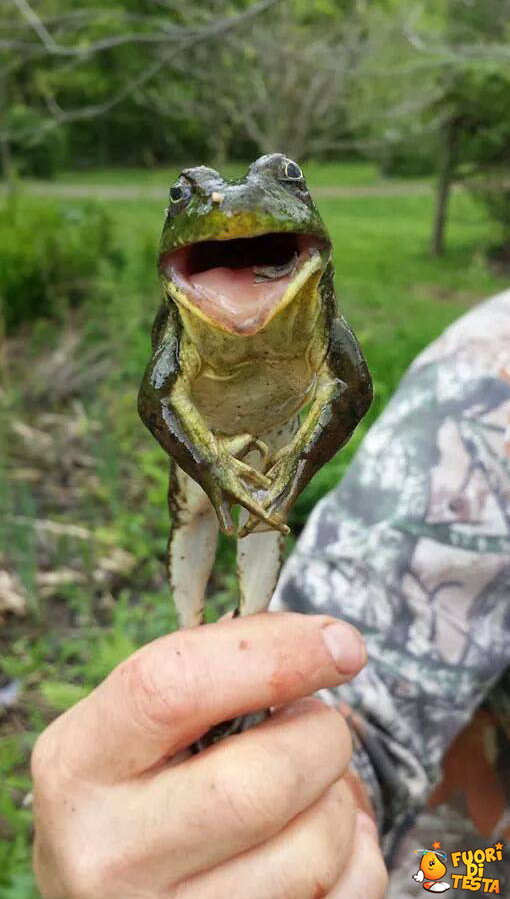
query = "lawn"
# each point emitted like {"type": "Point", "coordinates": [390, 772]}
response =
{"type": "Point", "coordinates": [349, 174]}
{"type": "Point", "coordinates": [82, 485]}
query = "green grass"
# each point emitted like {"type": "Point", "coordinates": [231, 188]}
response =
{"type": "Point", "coordinates": [349, 174]}
{"type": "Point", "coordinates": [394, 294]}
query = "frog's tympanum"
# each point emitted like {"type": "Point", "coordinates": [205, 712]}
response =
{"type": "Point", "coordinates": [255, 379]}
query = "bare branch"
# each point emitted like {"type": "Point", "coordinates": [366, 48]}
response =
{"type": "Point", "coordinates": [173, 39]}
{"type": "Point", "coordinates": [34, 21]}
{"type": "Point", "coordinates": [165, 33]}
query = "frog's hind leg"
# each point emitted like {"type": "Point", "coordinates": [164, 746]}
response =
{"type": "Point", "coordinates": [191, 547]}
{"type": "Point", "coordinates": [260, 554]}
{"type": "Point", "coordinates": [259, 559]}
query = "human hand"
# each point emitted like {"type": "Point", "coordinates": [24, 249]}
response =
{"type": "Point", "coordinates": [122, 811]}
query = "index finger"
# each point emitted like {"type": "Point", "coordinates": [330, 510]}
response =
{"type": "Point", "coordinates": [169, 693]}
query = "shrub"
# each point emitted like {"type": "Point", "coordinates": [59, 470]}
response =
{"type": "Point", "coordinates": [400, 159]}
{"type": "Point", "coordinates": [51, 255]}
{"type": "Point", "coordinates": [39, 152]}
{"type": "Point", "coordinates": [493, 189]}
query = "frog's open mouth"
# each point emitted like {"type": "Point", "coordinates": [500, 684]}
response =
{"type": "Point", "coordinates": [238, 283]}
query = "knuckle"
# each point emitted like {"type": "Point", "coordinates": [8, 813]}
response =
{"type": "Point", "coordinates": [379, 877]}
{"type": "Point", "coordinates": [86, 877]}
{"type": "Point", "coordinates": [157, 695]}
{"type": "Point", "coordinates": [312, 876]}
{"type": "Point", "coordinates": [99, 872]}
{"type": "Point", "coordinates": [279, 781]}
{"type": "Point", "coordinates": [340, 734]}
{"type": "Point", "coordinates": [337, 822]}
{"type": "Point", "coordinates": [263, 782]}
{"type": "Point", "coordinates": [324, 733]}
{"type": "Point", "coordinates": [39, 758]}
{"type": "Point", "coordinates": [242, 803]}
{"type": "Point", "coordinates": [328, 859]}
{"type": "Point", "coordinates": [315, 872]}
{"type": "Point", "coordinates": [45, 761]}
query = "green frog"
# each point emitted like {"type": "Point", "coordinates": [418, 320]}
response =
{"type": "Point", "coordinates": [255, 380]}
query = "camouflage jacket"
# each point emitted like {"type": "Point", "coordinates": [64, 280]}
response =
{"type": "Point", "coordinates": [413, 548]}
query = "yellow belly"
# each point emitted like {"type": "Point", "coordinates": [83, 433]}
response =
{"type": "Point", "coordinates": [255, 397]}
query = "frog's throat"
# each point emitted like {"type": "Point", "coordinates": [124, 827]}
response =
{"type": "Point", "coordinates": [247, 321]}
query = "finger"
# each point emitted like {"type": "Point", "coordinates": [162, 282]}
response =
{"type": "Point", "coordinates": [169, 693]}
{"type": "Point", "coordinates": [242, 496]}
{"type": "Point", "coordinates": [249, 525]}
{"type": "Point", "coordinates": [276, 521]}
{"type": "Point", "coordinates": [224, 513]}
{"type": "Point", "coordinates": [304, 860]}
{"type": "Point", "coordinates": [263, 450]}
{"type": "Point", "coordinates": [251, 474]}
{"type": "Point", "coordinates": [366, 873]}
{"type": "Point", "coordinates": [241, 445]}
{"type": "Point", "coordinates": [244, 791]}
{"type": "Point", "coordinates": [238, 446]}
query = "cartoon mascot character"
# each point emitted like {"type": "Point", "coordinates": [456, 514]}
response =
{"type": "Point", "coordinates": [432, 869]}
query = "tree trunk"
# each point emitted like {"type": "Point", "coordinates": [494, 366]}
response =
{"type": "Point", "coordinates": [445, 179]}
{"type": "Point", "coordinates": [6, 162]}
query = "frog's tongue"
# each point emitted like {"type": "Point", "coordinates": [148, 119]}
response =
{"type": "Point", "coordinates": [238, 283]}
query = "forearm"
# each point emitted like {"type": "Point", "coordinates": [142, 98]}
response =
{"type": "Point", "coordinates": [330, 421]}
{"type": "Point", "coordinates": [394, 550]}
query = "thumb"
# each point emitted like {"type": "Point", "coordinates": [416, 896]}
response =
{"type": "Point", "coordinates": [169, 693]}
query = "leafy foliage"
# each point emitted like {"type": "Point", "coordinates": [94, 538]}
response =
{"type": "Point", "coordinates": [83, 517]}
{"type": "Point", "coordinates": [52, 254]}
{"type": "Point", "coordinates": [44, 152]}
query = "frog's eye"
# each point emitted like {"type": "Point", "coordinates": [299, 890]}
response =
{"type": "Point", "coordinates": [180, 192]}
{"type": "Point", "coordinates": [291, 171]}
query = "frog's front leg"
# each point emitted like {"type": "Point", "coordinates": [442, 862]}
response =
{"type": "Point", "coordinates": [342, 396]}
{"type": "Point", "coordinates": [166, 407]}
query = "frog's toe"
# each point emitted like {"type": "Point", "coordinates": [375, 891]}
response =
{"type": "Point", "coordinates": [248, 527]}
{"type": "Point", "coordinates": [237, 445]}
{"type": "Point", "coordinates": [243, 444]}
{"type": "Point", "coordinates": [251, 474]}
{"type": "Point", "coordinates": [225, 520]}
{"type": "Point", "coordinates": [271, 523]}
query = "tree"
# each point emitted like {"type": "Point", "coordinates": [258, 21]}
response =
{"type": "Point", "coordinates": [442, 88]}
{"type": "Point", "coordinates": [279, 85]}
{"type": "Point", "coordinates": [64, 65]}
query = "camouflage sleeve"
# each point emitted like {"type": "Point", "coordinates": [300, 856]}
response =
{"type": "Point", "coordinates": [413, 548]}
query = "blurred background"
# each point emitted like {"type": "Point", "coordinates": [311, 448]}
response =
{"type": "Point", "coordinates": [399, 112]}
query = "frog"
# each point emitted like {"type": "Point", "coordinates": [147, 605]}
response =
{"type": "Point", "coordinates": [255, 380]}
